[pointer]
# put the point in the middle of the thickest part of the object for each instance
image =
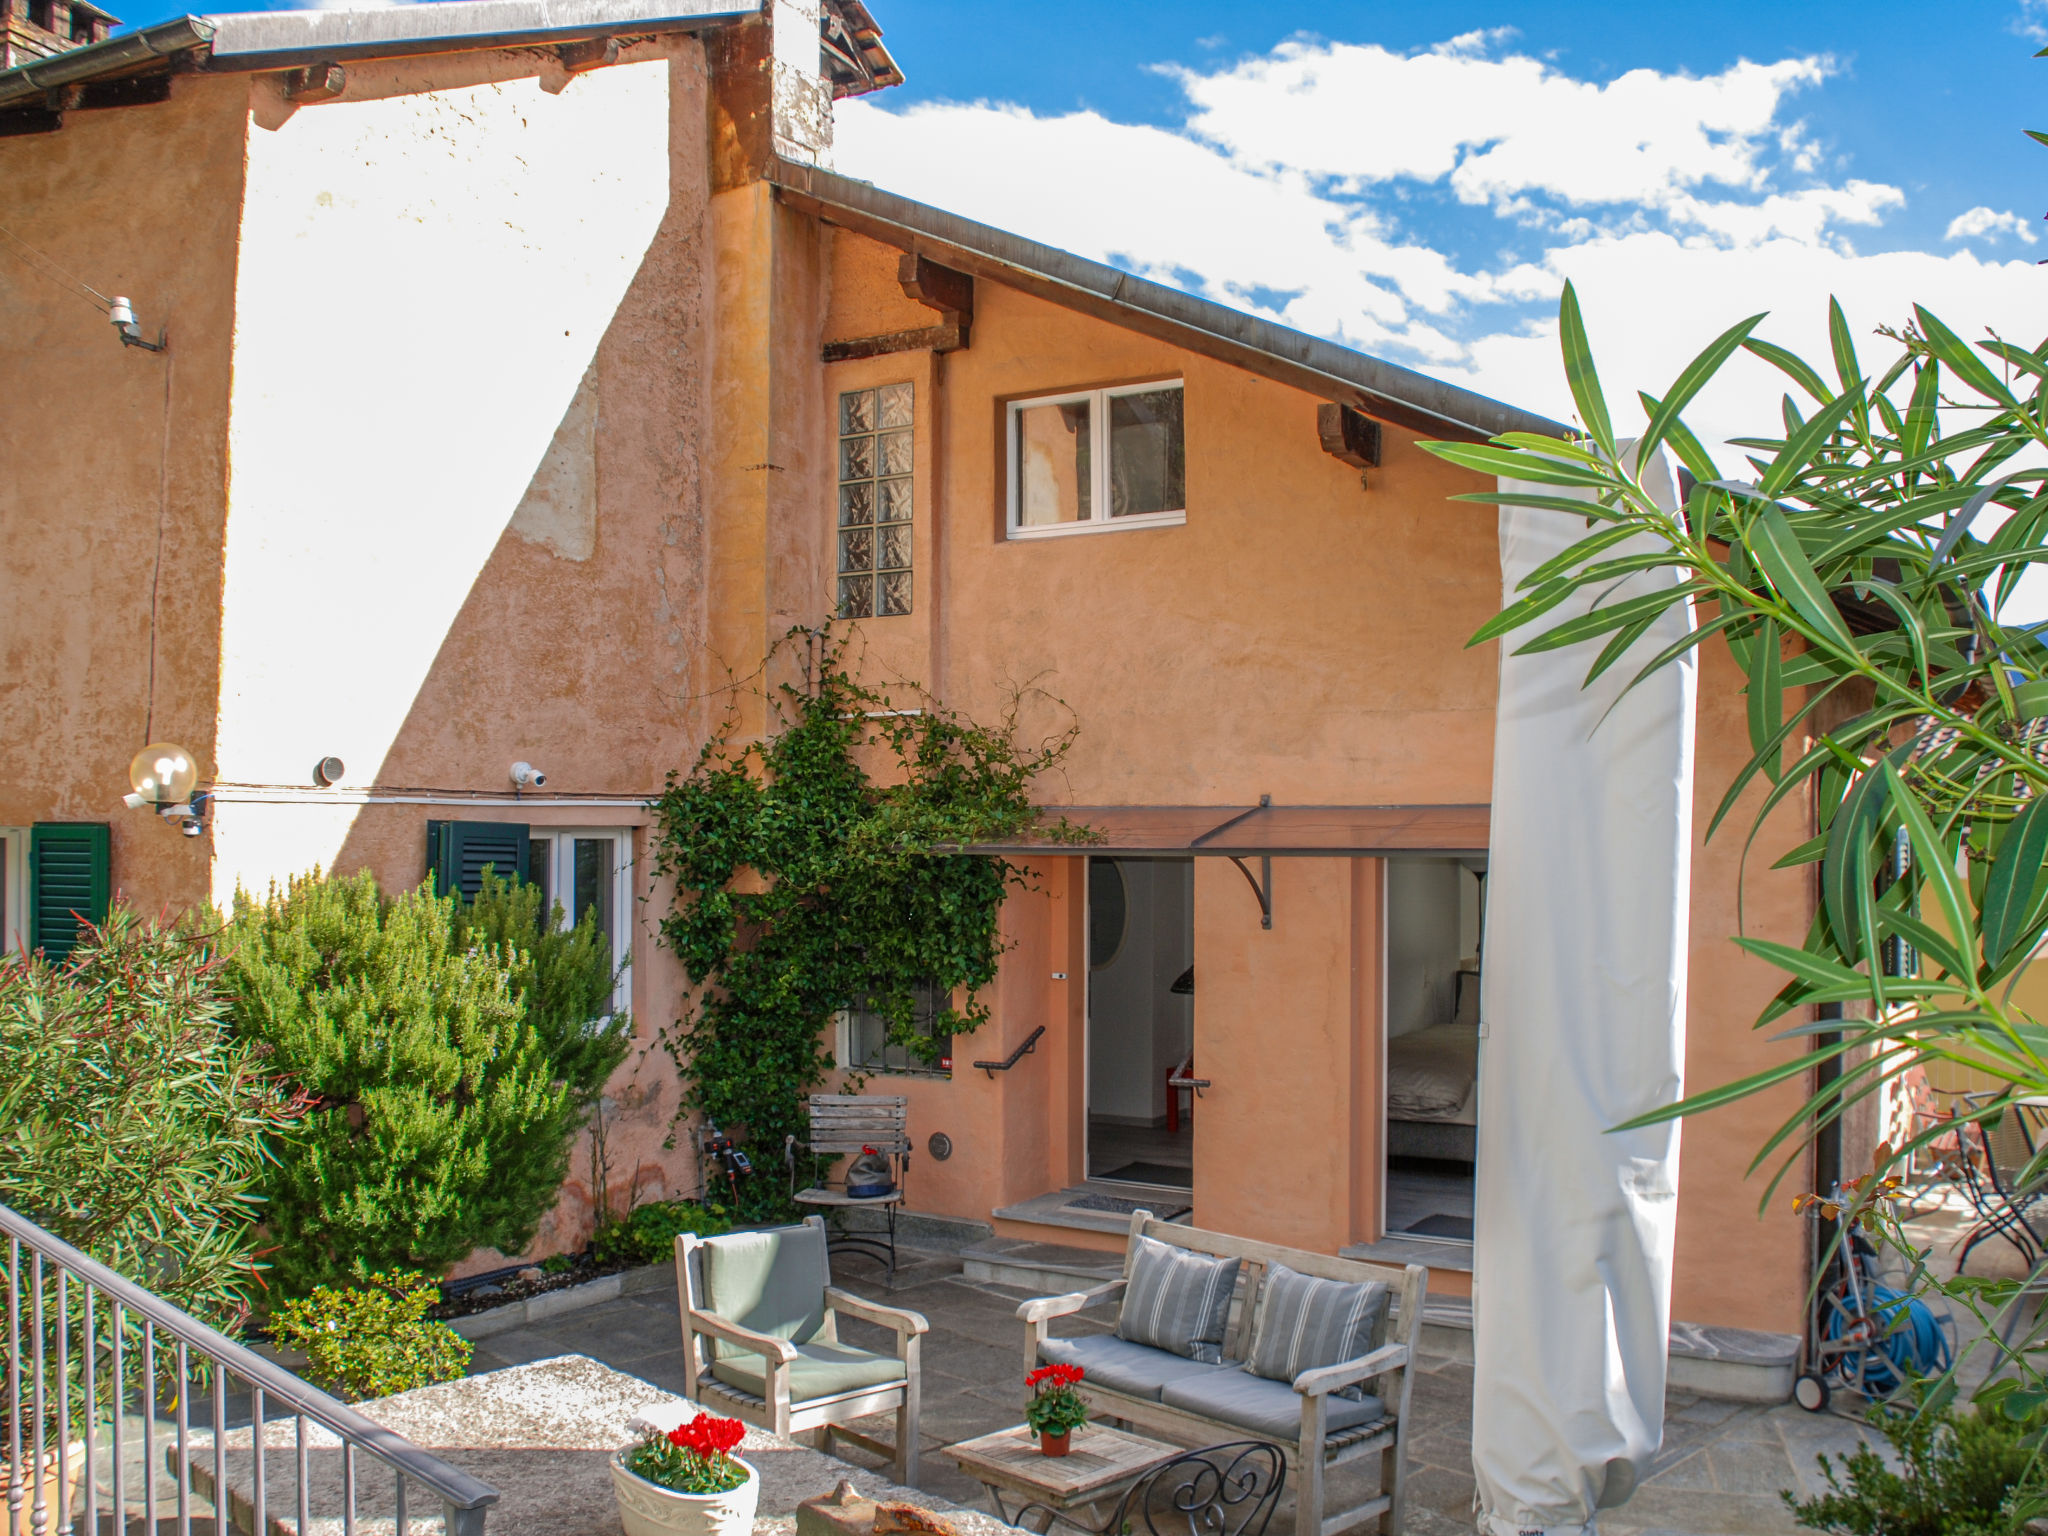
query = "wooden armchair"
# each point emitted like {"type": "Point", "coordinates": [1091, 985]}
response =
{"type": "Point", "coordinates": [761, 1343]}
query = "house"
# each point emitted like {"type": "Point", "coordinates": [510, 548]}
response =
{"type": "Point", "coordinates": [526, 373]}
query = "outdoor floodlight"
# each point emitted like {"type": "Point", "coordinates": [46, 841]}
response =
{"type": "Point", "coordinates": [122, 313]}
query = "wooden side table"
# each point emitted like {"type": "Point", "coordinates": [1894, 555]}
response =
{"type": "Point", "coordinates": [1100, 1467]}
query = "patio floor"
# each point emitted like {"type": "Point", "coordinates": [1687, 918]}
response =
{"type": "Point", "coordinates": [1719, 1472]}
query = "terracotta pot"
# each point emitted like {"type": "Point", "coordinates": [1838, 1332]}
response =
{"type": "Point", "coordinates": [57, 1500]}
{"type": "Point", "coordinates": [1054, 1445]}
{"type": "Point", "coordinates": [648, 1509]}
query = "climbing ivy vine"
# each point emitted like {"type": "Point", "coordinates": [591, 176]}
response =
{"type": "Point", "coordinates": [806, 882]}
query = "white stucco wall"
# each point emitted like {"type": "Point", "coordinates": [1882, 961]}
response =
{"type": "Point", "coordinates": [424, 280]}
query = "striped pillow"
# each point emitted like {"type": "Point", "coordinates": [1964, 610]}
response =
{"type": "Point", "coordinates": [1305, 1322]}
{"type": "Point", "coordinates": [1177, 1301]}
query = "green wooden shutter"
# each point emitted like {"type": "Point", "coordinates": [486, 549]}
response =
{"type": "Point", "coordinates": [457, 852]}
{"type": "Point", "coordinates": [69, 879]}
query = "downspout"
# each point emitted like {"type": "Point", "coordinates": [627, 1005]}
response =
{"type": "Point", "coordinates": [936, 657]}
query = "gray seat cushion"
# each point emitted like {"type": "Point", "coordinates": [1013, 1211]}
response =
{"type": "Point", "coordinates": [1118, 1365]}
{"type": "Point", "coordinates": [1268, 1409]}
{"type": "Point", "coordinates": [819, 1370]}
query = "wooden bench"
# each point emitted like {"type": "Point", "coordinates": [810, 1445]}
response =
{"type": "Point", "coordinates": [1312, 1447]}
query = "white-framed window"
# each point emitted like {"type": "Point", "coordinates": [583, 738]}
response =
{"type": "Point", "coordinates": [864, 1041]}
{"type": "Point", "coordinates": [584, 869]}
{"type": "Point", "coordinates": [1096, 459]}
{"type": "Point", "coordinates": [14, 890]}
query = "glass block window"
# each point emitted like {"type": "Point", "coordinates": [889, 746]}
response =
{"type": "Point", "coordinates": [874, 502]}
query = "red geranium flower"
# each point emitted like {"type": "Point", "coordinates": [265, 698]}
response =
{"type": "Point", "coordinates": [708, 1436]}
{"type": "Point", "coordinates": [1058, 1375]}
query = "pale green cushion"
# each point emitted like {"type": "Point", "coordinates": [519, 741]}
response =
{"type": "Point", "coordinates": [819, 1370]}
{"type": "Point", "coordinates": [768, 1282]}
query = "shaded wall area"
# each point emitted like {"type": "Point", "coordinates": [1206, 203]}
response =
{"type": "Point", "coordinates": [113, 463]}
{"type": "Point", "coordinates": [556, 550]}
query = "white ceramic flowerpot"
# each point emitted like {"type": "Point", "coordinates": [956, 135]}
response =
{"type": "Point", "coordinates": [648, 1509]}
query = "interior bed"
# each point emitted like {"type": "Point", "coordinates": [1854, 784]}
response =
{"type": "Point", "coordinates": [1433, 1093]}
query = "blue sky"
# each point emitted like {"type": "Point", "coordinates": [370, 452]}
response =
{"type": "Point", "coordinates": [1934, 108]}
{"type": "Point", "coordinates": [1419, 181]}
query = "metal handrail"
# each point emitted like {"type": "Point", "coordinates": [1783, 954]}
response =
{"type": "Point", "coordinates": [1030, 1044]}
{"type": "Point", "coordinates": [465, 1499]}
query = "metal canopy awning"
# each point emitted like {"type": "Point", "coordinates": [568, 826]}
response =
{"type": "Point", "coordinates": [1273, 831]}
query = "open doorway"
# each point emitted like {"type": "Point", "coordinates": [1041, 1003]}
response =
{"type": "Point", "coordinates": [1435, 920]}
{"type": "Point", "coordinates": [1141, 1013]}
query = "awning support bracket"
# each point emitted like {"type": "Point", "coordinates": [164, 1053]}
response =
{"type": "Point", "coordinates": [1261, 887]}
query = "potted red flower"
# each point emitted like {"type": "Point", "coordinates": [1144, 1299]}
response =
{"type": "Point", "coordinates": [1056, 1409]}
{"type": "Point", "coordinates": [687, 1482]}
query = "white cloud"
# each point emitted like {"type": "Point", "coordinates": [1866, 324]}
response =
{"type": "Point", "coordinates": [1981, 222]}
{"type": "Point", "coordinates": [1493, 126]}
{"type": "Point", "coordinates": [1429, 207]}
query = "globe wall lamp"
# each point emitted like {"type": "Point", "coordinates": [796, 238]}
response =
{"type": "Point", "coordinates": [165, 777]}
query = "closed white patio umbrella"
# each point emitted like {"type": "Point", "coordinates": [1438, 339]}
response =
{"type": "Point", "coordinates": [1588, 889]}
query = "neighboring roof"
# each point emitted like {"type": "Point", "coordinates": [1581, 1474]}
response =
{"type": "Point", "coordinates": [260, 40]}
{"type": "Point", "coordinates": [1380, 389]}
{"type": "Point", "coordinates": [1236, 831]}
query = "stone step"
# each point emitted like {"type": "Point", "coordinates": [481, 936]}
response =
{"type": "Point", "coordinates": [1043, 1269]}
{"type": "Point", "coordinates": [1739, 1365]}
{"type": "Point", "coordinates": [1056, 1208]}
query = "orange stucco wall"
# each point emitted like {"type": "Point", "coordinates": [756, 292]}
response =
{"type": "Point", "coordinates": [107, 451]}
{"type": "Point", "coordinates": [1299, 637]}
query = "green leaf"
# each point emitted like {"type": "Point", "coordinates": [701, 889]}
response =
{"type": "Point", "coordinates": [2009, 902]}
{"type": "Point", "coordinates": [1586, 548]}
{"type": "Point", "coordinates": [1800, 446]}
{"type": "Point", "coordinates": [1689, 382]}
{"type": "Point", "coordinates": [1777, 550]}
{"type": "Point", "coordinates": [1847, 369]}
{"type": "Point", "coordinates": [1607, 617]}
{"type": "Point", "coordinates": [1802, 963]}
{"type": "Point", "coordinates": [1579, 371]}
{"type": "Point", "coordinates": [1963, 360]}
{"type": "Point", "coordinates": [1766, 695]}
{"type": "Point", "coordinates": [1618, 647]}
{"type": "Point", "coordinates": [1789, 364]}
{"type": "Point", "coordinates": [1856, 821]}
{"type": "Point", "coordinates": [1935, 861]}
{"type": "Point", "coordinates": [1516, 614]}
{"type": "Point", "coordinates": [1520, 464]}
{"type": "Point", "coordinates": [1808, 852]}
{"type": "Point", "coordinates": [1922, 410]}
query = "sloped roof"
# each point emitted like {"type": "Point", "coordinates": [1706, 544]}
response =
{"type": "Point", "coordinates": [259, 40]}
{"type": "Point", "coordinates": [1383, 390]}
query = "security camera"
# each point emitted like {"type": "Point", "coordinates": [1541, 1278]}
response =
{"type": "Point", "coordinates": [526, 776]}
{"type": "Point", "coordinates": [192, 826]}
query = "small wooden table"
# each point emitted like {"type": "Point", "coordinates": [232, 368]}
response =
{"type": "Point", "coordinates": [1100, 1467]}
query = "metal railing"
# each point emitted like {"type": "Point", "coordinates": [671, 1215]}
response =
{"type": "Point", "coordinates": [72, 1349]}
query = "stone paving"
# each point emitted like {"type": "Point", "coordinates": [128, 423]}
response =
{"type": "Point", "coordinates": [1720, 1470]}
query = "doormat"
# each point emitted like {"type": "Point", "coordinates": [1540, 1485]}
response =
{"type": "Point", "coordinates": [1152, 1173]}
{"type": "Point", "coordinates": [1121, 1207]}
{"type": "Point", "coordinates": [1440, 1225]}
